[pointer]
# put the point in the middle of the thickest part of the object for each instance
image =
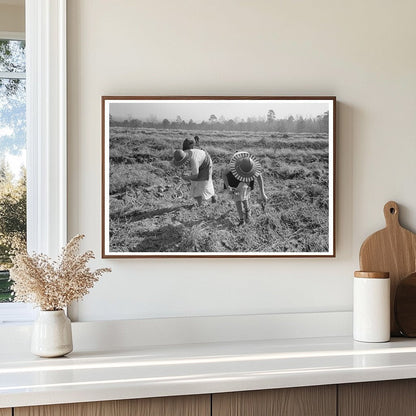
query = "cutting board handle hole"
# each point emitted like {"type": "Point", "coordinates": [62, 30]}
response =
{"type": "Point", "coordinates": [391, 214]}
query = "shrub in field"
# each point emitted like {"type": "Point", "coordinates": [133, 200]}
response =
{"type": "Point", "coordinates": [291, 172]}
{"type": "Point", "coordinates": [157, 144]}
{"type": "Point", "coordinates": [199, 238]}
{"type": "Point", "coordinates": [267, 163]}
{"type": "Point", "coordinates": [194, 239]}
{"type": "Point", "coordinates": [316, 242]}
{"type": "Point", "coordinates": [269, 222]}
{"type": "Point", "coordinates": [164, 167]}
{"type": "Point", "coordinates": [263, 142]}
{"type": "Point", "coordinates": [123, 176]}
{"type": "Point", "coordinates": [218, 154]}
{"type": "Point", "coordinates": [314, 190]}
{"type": "Point", "coordinates": [317, 173]}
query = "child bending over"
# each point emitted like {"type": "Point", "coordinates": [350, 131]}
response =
{"type": "Point", "coordinates": [239, 180]}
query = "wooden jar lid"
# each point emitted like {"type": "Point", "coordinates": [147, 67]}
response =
{"type": "Point", "coordinates": [372, 275]}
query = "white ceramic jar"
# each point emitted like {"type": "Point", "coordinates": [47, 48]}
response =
{"type": "Point", "coordinates": [371, 309]}
{"type": "Point", "coordinates": [52, 334]}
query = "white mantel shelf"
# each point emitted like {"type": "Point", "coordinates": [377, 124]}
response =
{"type": "Point", "coordinates": [151, 371]}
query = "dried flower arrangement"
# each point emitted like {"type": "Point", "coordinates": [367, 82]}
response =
{"type": "Point", "coordinates": [53, 285]}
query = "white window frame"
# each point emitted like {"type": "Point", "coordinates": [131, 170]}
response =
{"type": "Point", "coordinates": [46, 133]}
{"type": "Point", "coordinates": [14, 312]}
{"type": "Point", "coordinates": [46, 125]}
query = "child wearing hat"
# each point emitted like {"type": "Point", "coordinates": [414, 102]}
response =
{"type": "Point", "coordinates": [202, 187]}
{"type": "Point", "coordinates": [239, 180]}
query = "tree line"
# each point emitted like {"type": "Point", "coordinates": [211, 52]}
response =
{"type": "Point", "coordinates": [12, 223]}
{"type": "Point", "coordinates": [12, 212]}
{"type": "Point", "coordinates": [290, 124]}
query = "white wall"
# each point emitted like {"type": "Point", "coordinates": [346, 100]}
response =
{"type": "Point", "coordinates": [361, 51]}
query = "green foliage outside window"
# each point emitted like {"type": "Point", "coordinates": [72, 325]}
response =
{"type": "Point", "coordinates": [12, 223]}
{"type": "Point", "coordinates": [12, 145]}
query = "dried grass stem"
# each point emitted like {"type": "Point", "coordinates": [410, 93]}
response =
{"type": "Point", "coordinates": [53, 285]}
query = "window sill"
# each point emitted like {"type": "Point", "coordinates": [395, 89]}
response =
{"type": "Point", "coordinates": [16, 313]}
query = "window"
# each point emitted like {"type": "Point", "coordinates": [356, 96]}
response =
{"type": "Point", "coordinates": [12, 154]}
{"type": "Point", "coordinates": [46, 134]}
{"type": "Point", "coordinates": [12, 165]}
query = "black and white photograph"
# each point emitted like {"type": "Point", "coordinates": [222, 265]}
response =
{"type": "Point", "coordinates": [218, 176]}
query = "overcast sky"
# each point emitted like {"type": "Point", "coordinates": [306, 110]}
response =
{"type": "Point", "coordinates": [201, 110]}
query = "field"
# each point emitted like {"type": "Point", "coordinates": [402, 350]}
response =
{"type": "Point", "coordinates": [151, 210]}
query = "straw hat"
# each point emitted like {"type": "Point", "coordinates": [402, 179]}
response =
{"type": "Point", "coordinates": [180, 157]}
{"type": "Point", "coordinates": [244, 166]}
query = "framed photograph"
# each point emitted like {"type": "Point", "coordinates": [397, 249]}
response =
{"type": "Point", "coordinates": [218, 176]}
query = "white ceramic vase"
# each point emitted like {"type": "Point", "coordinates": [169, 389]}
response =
{"type": "Point", "coordinates": [52, 334]}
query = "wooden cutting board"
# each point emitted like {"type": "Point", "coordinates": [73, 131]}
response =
{"type": "Point", "coordinates": [393, 250]}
